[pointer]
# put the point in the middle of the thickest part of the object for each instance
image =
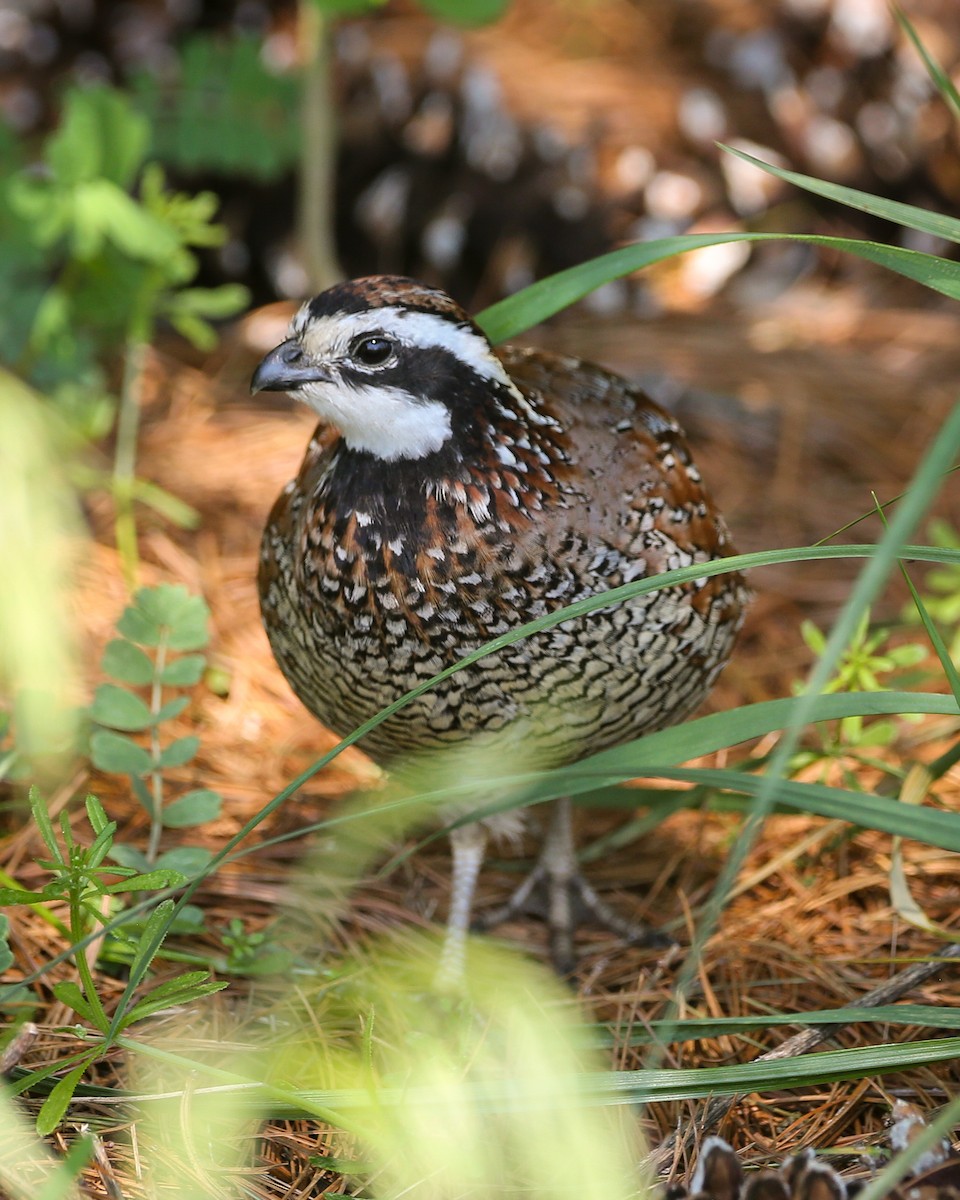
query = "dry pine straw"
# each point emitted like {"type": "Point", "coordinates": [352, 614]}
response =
{"type": "Point", "coordinates": [810, 926]}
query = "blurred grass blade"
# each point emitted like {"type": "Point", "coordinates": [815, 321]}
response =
{"type": "Point", "coordinates": [510, 317]}
{"type": "Point", "coordinates": [921, 219]}
{"type": "Point", "coordinates": [941, 80]}
{"type": "Point", "coordinates": [39, 529]}
{"type": "Point", "coordinates": [27, 1167]}
{"type": "Point", "coordinates": [490, 1098]}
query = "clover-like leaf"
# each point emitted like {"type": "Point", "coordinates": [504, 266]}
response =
{"type": "Point", "coordinates": [123, 660]}
{"type": "Point", "coordinates": [119, 754]}
{"type": "Point", "coordinates": [184, 672]}
{"type": "Point", "coordinates": [129, 856]}
{"type": "Point", "coordinates": [188, 860]}
{"type": "Point", "coordinates": [192, 808]}
{"type": "Point", "coordinates": [137, 626]}
{"type": "Point", "coordinates": [180, 751]}
{"type": "Point", "coordinates": [173, 708]}
{"type": "Point", "coordinates": [117, 708]}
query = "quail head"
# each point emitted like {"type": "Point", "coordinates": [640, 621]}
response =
{"type": "Point", "coordinates": [452, 493]}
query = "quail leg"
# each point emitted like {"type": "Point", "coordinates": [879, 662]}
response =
{"type": "Point", "coordinates": [468, 844]}
{"type": "Point", "coordinates": [556, 891]}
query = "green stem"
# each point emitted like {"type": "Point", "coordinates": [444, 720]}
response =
{"type": "Point", "coordinates": [128, 428]}
{"type": "Point", "coordinates": [315, 218]}
{"type": "Point", "coordinates": [156, 774]}
{"type": "Point", "coordinates": [87, 984]}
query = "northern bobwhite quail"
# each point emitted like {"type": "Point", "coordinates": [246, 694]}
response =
{"type": "Point", "coordinates": [452, 493]}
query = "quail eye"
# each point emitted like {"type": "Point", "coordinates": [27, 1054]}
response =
{"type": "Point", "coordinates": [372, 351]}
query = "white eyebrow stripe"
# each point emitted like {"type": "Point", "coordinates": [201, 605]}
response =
{"type": "Point", "coordinates": [329, 337]}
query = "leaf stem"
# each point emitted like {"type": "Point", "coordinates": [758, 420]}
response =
{"type": "Point", "coordinates": [318, 160]}
{"type": "Point", "coordinates": [156, 774]}
{"type": "Point", "coordinates": [87, 982]}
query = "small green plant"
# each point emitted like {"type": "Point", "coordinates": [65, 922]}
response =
{"type": "Point", "coordinates": [87, 887]}
{"type": "Point", "coordinates": [942, 588]}
{"type": "Point", "coordinates": [159, 634]}
{"type": "Point", "coordinates": [867, 665]}
{"type": "Point", "coordinates": [251, 952]}
{"type": "Point", "coordinates": [99, 250]}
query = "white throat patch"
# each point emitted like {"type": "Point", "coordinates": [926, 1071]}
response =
{"type": "Point", "coordinates": [384, 421]}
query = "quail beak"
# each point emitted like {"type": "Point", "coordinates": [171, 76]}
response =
{"type": "Point", "coordinates": [286, 368]}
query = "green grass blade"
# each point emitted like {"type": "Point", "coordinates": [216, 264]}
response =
{"type": "Point", "coordinates": [510, 317]}
{"type": "Point", "coordinates": [693, 1029]}
{"type": "Point", "coordinates": [669, 748]}
{"type": "Point", "coordinates": [921, 219]}
{"type": "Point", "coordinates": [941, 80]}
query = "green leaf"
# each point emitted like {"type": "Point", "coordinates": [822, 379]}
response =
{"type": "Point", "coordinates": [167, 505]}
{"type": "Point", "coordinates": [171, 709]}
{"type": "Point", "coordinates": [137, 626]}
{"type": "Point", "coordinates": [129, 856]}
{"type": "Point", "coordinates": [466, 12]}
{"type": "Point", "coordinates": [97, 851]}
{"type": "Point", "coordinates": [165, 604]}
{"type": "Point", "coordinates": [941, 80]}
{"type": "Point", "coordinates": [180, 751]}
{"type": "Point", "coordinates": [149, 881]}
{"type": "Point", "coordinates": [74, 151]}
{"type": "Point", "coordinates": [41, 818]}
{"type": "Point", "coordinates": [96, 814]}
{"type": "Point", "coordinates": [70, 994]}
{"type": "Point", "coordinates": [184, 616]}
{"type": "Point", "coordinates": [151, 938]}
{"type": "Point", "coordinates": [115, 706]}
{"type": "Point", "coordinates": [6, 954]}
{"type": "Point", "coordinates": [55, 1106]}
{"type": "Point", "coordinates": [346, 8]}
{"type": "Point", "coordinates": [198, 332]}
{"type": "Point", "coordinates": [214, 303]}
{"type": "Point", "coordinates": [101, 134]}
{"type": "Point", "coordinates": [191, 309]}
{"type": "Point", "coordinates": [123, 660]}
{"type": "Point", "coordinates": [116, 753]}
{"type": "Point", "coordinates": [921, 219]}
{"type": "Point", "coordinates": [193, 808]}
{"type": "Point", "coordinates": [190, 860]}
{"type": "Point", "coordinates": [102, 212]}
{"type": "Point", "coordinates": [185, 671]}
{"type": "Point", "coordinates": [9, 896]}
{"type": "Point", "coordinates": [177, 986]}
{"type": "Point", "coordinates": [152, 1003]}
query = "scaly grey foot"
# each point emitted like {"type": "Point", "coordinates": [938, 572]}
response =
{"type": "Point", "coordinates": [556, 892]}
